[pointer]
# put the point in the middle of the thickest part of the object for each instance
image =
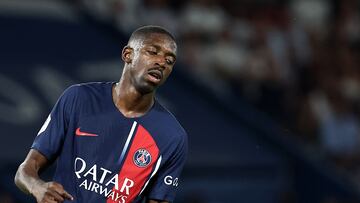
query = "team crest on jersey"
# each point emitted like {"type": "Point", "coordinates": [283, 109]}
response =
{"type": "Point", "coordinates": [142, 158]}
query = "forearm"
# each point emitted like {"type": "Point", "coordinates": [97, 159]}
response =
{"type": "Point", "coordinates": [27, 177]}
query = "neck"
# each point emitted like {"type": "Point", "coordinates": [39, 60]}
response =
{"type": "Point", "coordinates": [130, 102]}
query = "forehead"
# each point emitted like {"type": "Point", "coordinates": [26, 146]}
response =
{"type": "Point", "coordinates": [160, 40]}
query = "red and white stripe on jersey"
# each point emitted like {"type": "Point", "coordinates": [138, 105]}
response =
{"type": "Point", "coordinates": [129, 170]}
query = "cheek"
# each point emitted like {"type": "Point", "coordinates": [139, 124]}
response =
{"type": "Point", "coordinates": [142, 61]}
{"type": "Point", "coordinates": [139, 64]}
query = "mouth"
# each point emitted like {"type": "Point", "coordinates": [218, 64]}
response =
{"type": "Point", "coordinates": [155, 75]}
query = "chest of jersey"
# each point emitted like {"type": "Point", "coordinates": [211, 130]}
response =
{"type": "Point", "coordinates": [113, 156]}
{"type": "Point", "coordinates": [103, 156]}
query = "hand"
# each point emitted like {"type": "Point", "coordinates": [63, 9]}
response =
{"type": "Point", "coordinates": [50, 192]}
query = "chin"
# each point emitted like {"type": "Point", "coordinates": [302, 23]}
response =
{"type": "Point", "coordinates": [146, 88]}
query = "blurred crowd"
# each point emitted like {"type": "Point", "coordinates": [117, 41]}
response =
{"type": "Point", "coordinates": [297, 60]}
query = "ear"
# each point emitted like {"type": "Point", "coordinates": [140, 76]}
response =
{"type": "Point", "coordinates": [127, 54]}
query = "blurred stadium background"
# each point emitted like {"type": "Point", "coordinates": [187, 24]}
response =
{"type": "Point", "coordinates": [268, 90]}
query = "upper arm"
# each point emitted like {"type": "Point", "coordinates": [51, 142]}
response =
{"type": "Point", "coordinates": [35, 160]}
{"type": "Point", "coordinates": [51, 136]}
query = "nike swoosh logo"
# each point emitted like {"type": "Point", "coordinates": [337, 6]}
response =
{"type": "Point", "coordinates": [79, 133]}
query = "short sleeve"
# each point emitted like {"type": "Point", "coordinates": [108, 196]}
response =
{"type": "Point", "coordinates": [166, 181]}
{"type": "Point", "coordinates": [50, 137]}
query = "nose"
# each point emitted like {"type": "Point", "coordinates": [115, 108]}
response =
{"type": "Point", "coordinates": [161, 61]}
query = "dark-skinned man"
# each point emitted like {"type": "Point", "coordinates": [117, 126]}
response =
{"type": "Point", "coordinates": [113, 142]}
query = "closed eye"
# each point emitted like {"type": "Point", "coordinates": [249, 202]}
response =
{"type": "Point", "coordinates": [152, 52]}
{"type": "Point", "coordinates": [170, 62]}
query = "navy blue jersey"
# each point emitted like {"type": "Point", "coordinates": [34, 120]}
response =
{"type": "Point", "coordinates": [103, 156]}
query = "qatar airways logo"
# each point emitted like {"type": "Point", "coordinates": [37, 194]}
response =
{"type": "Point", "coordinates": [97, 184]}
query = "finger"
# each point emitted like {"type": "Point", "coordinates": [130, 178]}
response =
{"type": "Point", "coordinates": [52, 195]}
{"type": "Point", "coordinates": [60, 189]}
{"type": "Point", "coordinates": [67, 196]}
{"type": "Point", "coordinates": [49, 199]}
{"type": "Point", "coordinates": [64, 194]}
{"type": "Point", "coordinates": [56, 196]}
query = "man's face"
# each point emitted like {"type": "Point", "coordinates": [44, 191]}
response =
{"type": "Point", "coordinates": [153, 58]}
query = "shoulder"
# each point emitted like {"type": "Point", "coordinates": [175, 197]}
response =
{"type": "Point", "coordinates": [89, 87]}
{"type": "Point", "coordinates": [170, 123]}
{"type": "Point", "coordinates": [82, 90]}
{"type": "Point", "coordinates": [84, 93]}
{"type": "Point", "coordinates": [175, 136]}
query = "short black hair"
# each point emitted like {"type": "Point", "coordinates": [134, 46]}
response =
{"type": "Point", "coordinates": [150, 29]}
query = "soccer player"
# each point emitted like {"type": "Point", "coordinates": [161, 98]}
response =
{"type": "Point", "coordinates": [113, 142]}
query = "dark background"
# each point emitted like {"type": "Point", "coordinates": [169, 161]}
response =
{"type": "Point", "coordinates": [268, 91]}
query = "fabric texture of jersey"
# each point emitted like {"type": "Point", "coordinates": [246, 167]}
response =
{"type": "Point", "coordinates": [103, 156]}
